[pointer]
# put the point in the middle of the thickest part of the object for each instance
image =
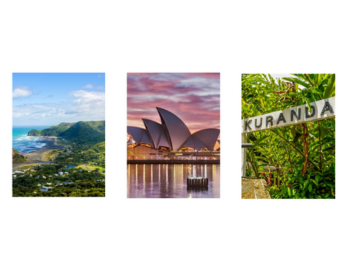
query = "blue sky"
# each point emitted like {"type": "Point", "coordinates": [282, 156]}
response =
{"type": "Point", "coordinates": [51, 98]}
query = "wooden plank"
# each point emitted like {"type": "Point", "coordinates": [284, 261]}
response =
{"type": "Point", "coordinates": [321, 109]}
{"type": "Point", "coordinates": [243, 156]}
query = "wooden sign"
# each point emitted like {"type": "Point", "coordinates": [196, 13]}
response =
{"type": "Point", "coordinates": [321, 109]}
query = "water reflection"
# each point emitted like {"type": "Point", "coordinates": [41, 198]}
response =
{"type": "Point", "coordinates": [170, 180]}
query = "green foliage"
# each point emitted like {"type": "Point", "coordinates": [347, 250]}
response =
{"type": "Point", "coordinates": [34, 132]}
{"type": "Point", "coordinates": [16, 157]}
{"type": "Point", "coordinates": [81, 183]}
{"type": "Point", "coordinates": [290, 148]}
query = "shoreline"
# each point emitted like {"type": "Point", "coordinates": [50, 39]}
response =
{"type": "Point", "coordinates": [39, 154]}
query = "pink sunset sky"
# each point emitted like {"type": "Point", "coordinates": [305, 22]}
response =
{"type": "Point", "coordinates": [193, 97]}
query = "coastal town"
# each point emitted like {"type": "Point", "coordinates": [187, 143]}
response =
{"type": "Point", "coordinates": [74, 170]}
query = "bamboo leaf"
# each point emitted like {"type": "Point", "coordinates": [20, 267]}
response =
{"type": "Point", "coordinates": [331, 85]}
{"type": "Point", "coordinates": [310, 187]}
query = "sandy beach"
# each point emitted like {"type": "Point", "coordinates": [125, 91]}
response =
{"type": "Point", "coordinates": [39, 155]}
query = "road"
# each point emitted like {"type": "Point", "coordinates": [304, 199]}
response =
{"type": "Point", "coordinates": [87, 168]}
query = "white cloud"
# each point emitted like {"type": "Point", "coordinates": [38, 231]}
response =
{"type": "Point", "coordinates": [204, 86]}
{"type": "Point", "coordinates": [88, 86]}
{"type": "Point", "coordinates": [83, 106]}
{"type": "Point", "coordinates": [90, 104]}
{"type": "Point", "coordinates": [21, 93]}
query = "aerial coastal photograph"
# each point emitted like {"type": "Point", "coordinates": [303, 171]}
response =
{"type": "Point", "coordinates": [58, 135]}
{"type": "Point", "coordinates": [173, 135]}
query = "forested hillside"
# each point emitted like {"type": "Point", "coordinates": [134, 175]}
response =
{"type": "Point", "coordinates": [16, 157]}
{"type": "Point", "coordinates": [83, 131]}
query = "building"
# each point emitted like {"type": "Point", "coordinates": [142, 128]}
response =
{"type": "Point", "coordinates": [66, 182]}
{"type": "Point", "coordinates": [45, 188]}
{"type": "Point", "coordinates": [171, 139]}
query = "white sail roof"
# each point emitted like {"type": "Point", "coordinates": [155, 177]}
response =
{"type": "Point", "coordinates": [156, 133]}
{"type": "Point", "coordinates": [175, 128]}
{"type": "Point", "coordinates": [208, 137]}
{"type": "Point", "coordinates": [194, 143]}
{"type": "Point", "coordinates": [138, 134]}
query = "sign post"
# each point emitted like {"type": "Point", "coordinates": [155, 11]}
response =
{"type": "Point", "coordinates": [322, 109]}
{"type": "Point", "coordinates": [244, 155]}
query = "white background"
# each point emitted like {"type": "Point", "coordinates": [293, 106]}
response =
{"type": "Point", "coordinates": [116, 234]}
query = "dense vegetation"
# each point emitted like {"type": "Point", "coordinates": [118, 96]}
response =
{"type": "Point", "coordinates": [16, 157]}
{"type": "Point", "coordinates": [301, 156]}
{"type": "Point", "coordinates": [91, 132]}
{"type": "Point", "coordinates": [74, 183]}
{"type": "Point", "coordinates": [84, 150]}
{"type": "Point", "coordinates": [83, 131]}
{"type": "Point", "coordinates": [92, 155]}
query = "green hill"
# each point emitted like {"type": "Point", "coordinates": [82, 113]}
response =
{"type": "Point", "coordinates": [85, 131]}
{"type": "Point", "coordinates": [52, 131]}
{"type": "Point", "coordinates": [99, 147]}
{"type": "Point", "coordinates": [89, 132]}
{"type": "Point", "coordinates": [16, 157]}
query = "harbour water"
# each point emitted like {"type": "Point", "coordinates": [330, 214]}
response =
{"type": "Point", "coordinates": [24, 143]}
{"type": "Point", "coordinates": [71, 166]}
{"type": "Point", "coordinates": [170, 180]}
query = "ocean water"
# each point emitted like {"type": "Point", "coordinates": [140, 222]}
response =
{"type": "Point", "coordinates": [24, 143]}
{"type": "Point", "coordinates": [170, 180]}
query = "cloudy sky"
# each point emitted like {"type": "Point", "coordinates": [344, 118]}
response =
{"type": "Point", "coordinates": [193, 97]}
{"type": "Point", "coordinates": [52, 98]}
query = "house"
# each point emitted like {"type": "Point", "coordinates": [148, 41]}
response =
{"type": "Point", "coordinates": [82, 152]}
{"type": "Point", "coordinates": [48, 184]}
{"type": "Point", "coordinates": [30, 175]}
{"type": "Point", "coordinates": [66, 182]}
{"type": "Point", "coordinates": [22, 175]}
{"type": "Point", "coordinates": [39, 185]}
{"type": "Point", "coordinates": [44, 177]}
{"type": "Point", "coordinates": [14, 176]}
{"type": "Point", "coordinates": [74, 171]}
{"type": "Point", "coordinates": [32, 170]}
{"type": "Point", "coordinates": [60, 173]}
{"type": "Point", "coordinates": [45, 188]}
{"type": "Point", "coordinates": [50, 176]}
{"type": "Point", "coordinates": [55, 174]}
{"type": "Point", "coordinates": [65, 172]}
{"type": "Point", "coordinates": [38, 176]}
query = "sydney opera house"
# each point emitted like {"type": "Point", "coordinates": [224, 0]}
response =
{"type": "Point", "coordinates": [171, 140]}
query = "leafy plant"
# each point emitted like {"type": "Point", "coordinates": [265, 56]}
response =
{"type": "Point", "coordinates": [304, 153]}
